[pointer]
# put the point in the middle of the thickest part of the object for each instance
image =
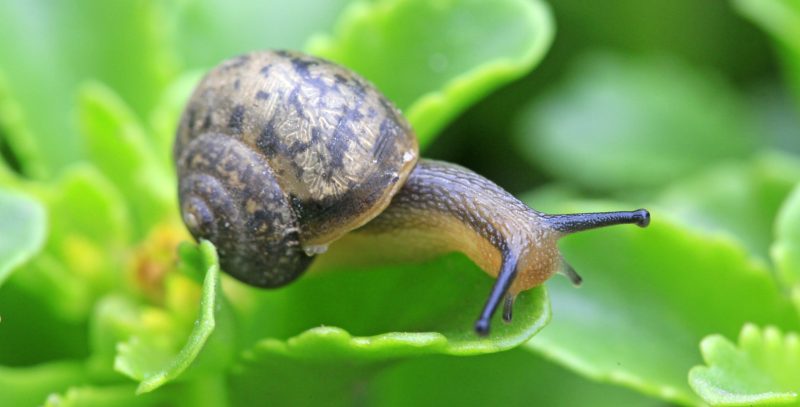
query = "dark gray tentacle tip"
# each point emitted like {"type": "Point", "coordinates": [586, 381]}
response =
{"type": "Point", "coordinates": [482, 327]}
{"type": "Point", "coordinates": [643, 217]}
{"type": "Point", "coordinates": [571, 274]}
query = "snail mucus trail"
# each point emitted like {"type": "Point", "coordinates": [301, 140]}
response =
{"type": "Point", "coordinates": [279, 154]}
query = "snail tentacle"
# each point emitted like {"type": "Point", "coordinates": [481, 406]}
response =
{"type": "Point", "coordinates": [569, 271]}
{"type": "Point", "coordinates": [505, 278]}
{"type": "Point", "coordinates": [577, 222]}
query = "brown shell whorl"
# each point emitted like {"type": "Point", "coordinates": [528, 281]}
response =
{"type": "Point", "coordinates": [229, 196]}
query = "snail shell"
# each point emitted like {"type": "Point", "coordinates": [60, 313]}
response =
{"type": "Point", "coordinates": [279, 153]}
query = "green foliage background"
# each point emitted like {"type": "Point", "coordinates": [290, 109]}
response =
{"type": "Point", "coordinates": [687, 108]}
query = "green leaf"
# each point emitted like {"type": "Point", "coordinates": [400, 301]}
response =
{"type": "Point", "coordinates": [512, 378]}
{"type": "Point", "coordinates": [781, 19]}
{"type": "Point", "coordinates": [621, 123]}
{"type": "Point", "coordinates": [89, 229]}
{"type": "Point", "coordinates": [777, 116]}
{"type": "Point", "coordinates": [434, 59]}
{"type": "Point", "coordinates": [786, 249]}
{"type": "Point", "coordinates": [201, 392]}
{"type": "Point", "coordinates": [706, 33]}
{"type": "Point", "coordinates": [647, 299]}
{"type": "Point", "coordinates": [331, 343]}
{"type": "Point", "coordinates": [166, 114]}
{"type": "Point", "coordinates": [122, 43]}
{"type": "Point", "coordinates": [309, 316]}
{"type": "Point", "coordinates": [208, 391]}
{"type": "Point", "coordinates": [794, 295]}
{"type": "Point", "coordinates": [115, 319]}
{"type": "Point", "coordinates": [740, 200]}
{"type": "Point", "coordinates": [151, 358]}
{"type": "Point", "coordinates": [307, 327]}
{"type": "Point", "coordinates": [22, 230]}
{"type": "Point", "coordinates": [209, 31]}
{"type": "Point", "coordinates": [763, 369]}
{"type": "Point", "coordinates": [53, 295]}
{"type": "Point", "coordinates": [109, 396]}
{"type": "Point", "coordinates": [85, 203]}
{"type": "Point", "coordinates": [118, 145]}
{"type": "Point", "coordinates": [29, 386]}
{"type": "Point", "coordinates": [29, 324]}
{"type": "Point", "coordinates": [17, 144]}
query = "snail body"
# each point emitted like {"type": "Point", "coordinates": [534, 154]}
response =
{"type": "Point", "coordinates": [279, 154]}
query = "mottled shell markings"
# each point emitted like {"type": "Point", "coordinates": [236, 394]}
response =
{"type": "Point", "coordinates": [337, 149]}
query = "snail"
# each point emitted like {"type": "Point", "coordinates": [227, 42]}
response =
{"type": "Point", "coordinates": [279, 154]}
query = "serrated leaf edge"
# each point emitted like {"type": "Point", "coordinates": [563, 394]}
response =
{"type": "Point", "coordinates": [749, 337]}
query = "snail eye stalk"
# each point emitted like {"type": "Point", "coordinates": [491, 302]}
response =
{"type": "Point", "coordinates": [585, 221]}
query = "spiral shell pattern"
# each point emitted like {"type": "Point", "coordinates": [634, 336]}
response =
{"type": "Point", "coordinates": [230, 197]}
{"type": "Point", "coordinates": [279, 153]}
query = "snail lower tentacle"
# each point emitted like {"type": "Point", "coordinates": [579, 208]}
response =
{"type": "Point", "coordinates": [500, 292]}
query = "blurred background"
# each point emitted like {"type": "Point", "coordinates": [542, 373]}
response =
{"type": "Point", "coordinates": [690, 108]}
{"type": "Point", "coordinates": [611, 65]}
{"type": "Point", "coordinates": [56, 46]}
